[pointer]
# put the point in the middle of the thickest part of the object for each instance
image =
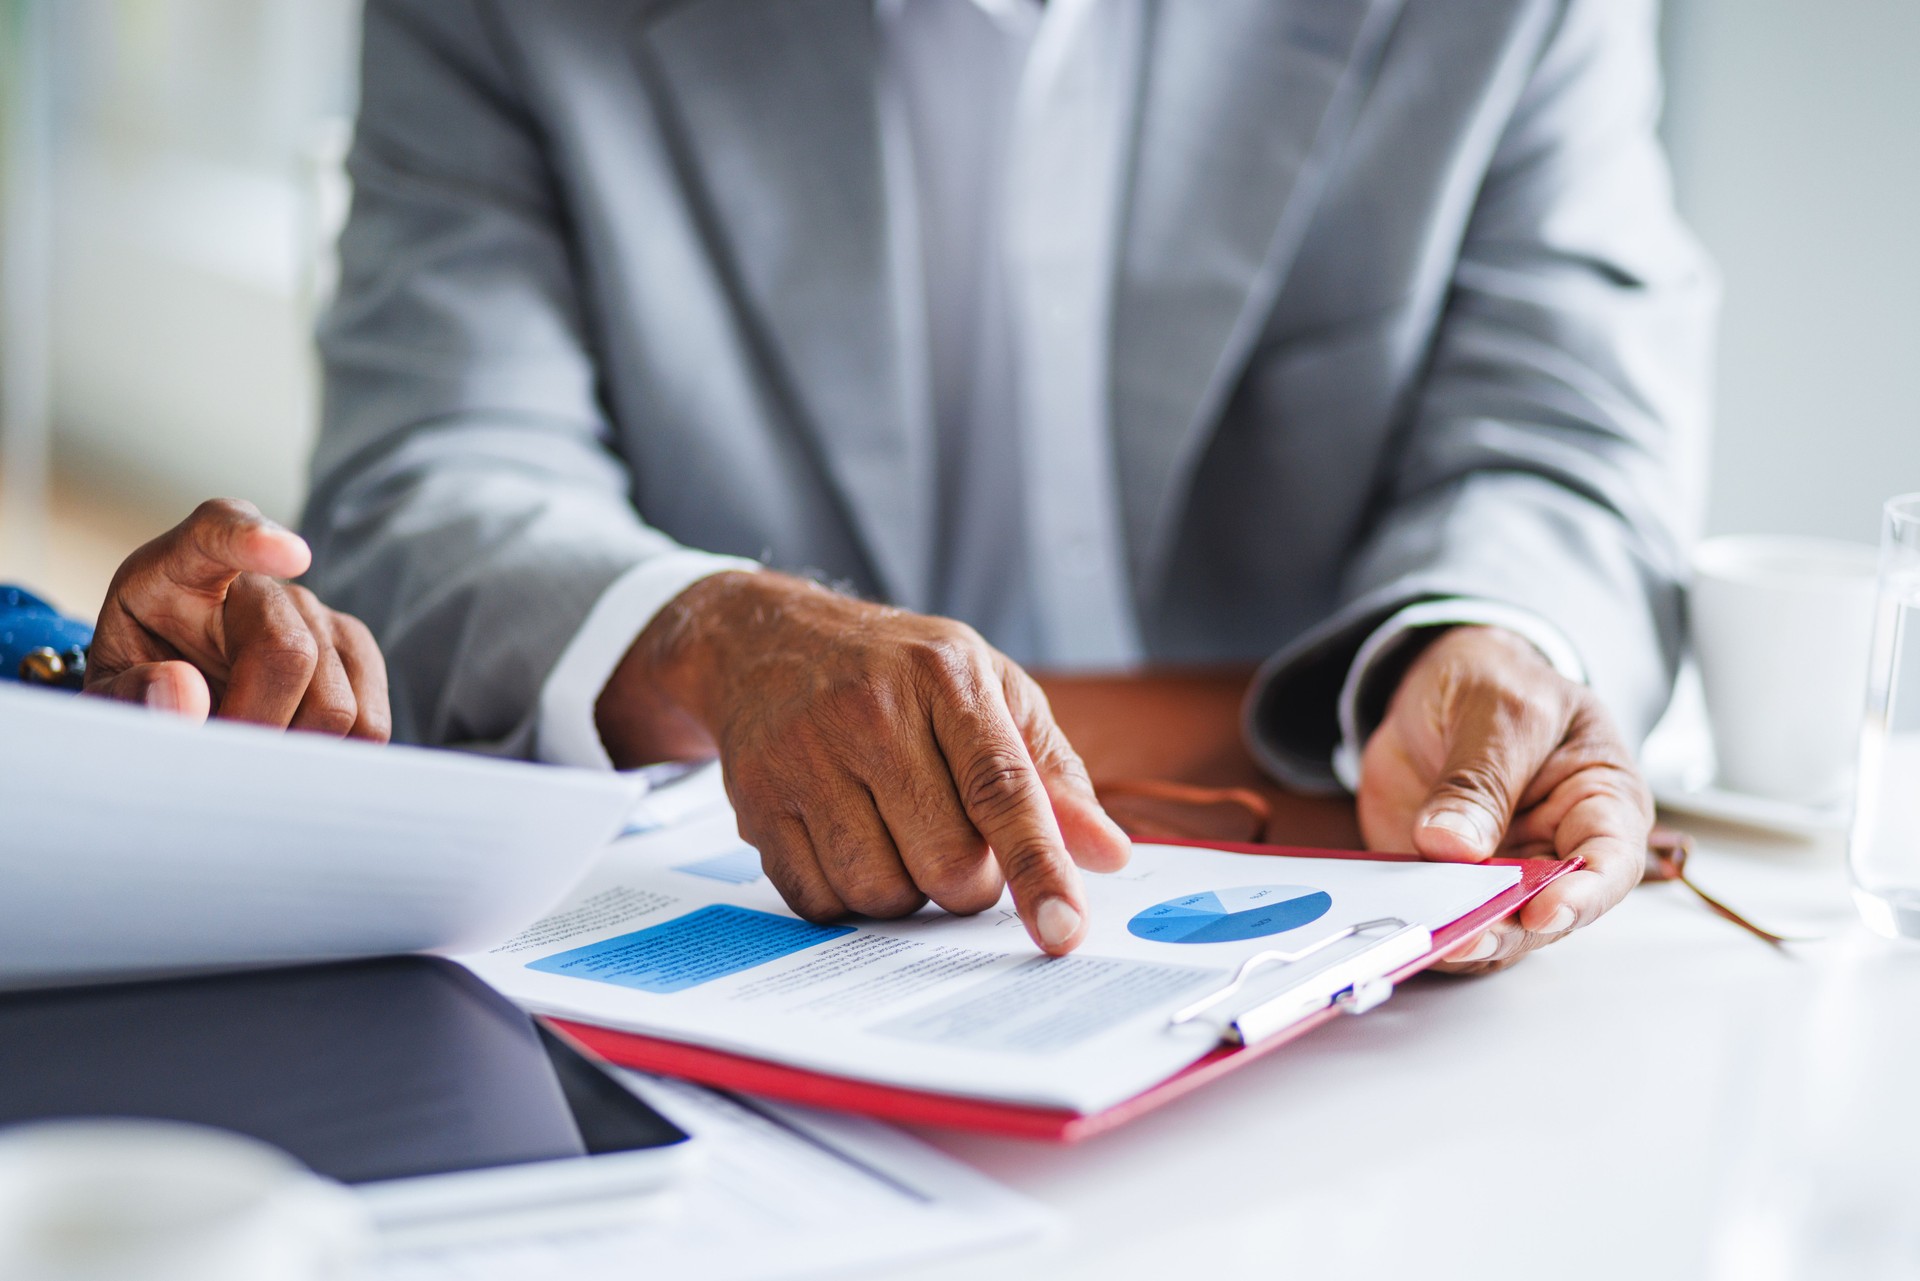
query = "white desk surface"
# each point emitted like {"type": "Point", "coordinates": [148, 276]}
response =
{"type": "Point", "coordinates": [1659, 1096]}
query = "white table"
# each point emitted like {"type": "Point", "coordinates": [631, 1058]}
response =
{"type": "Point", "coordinates": [1658, 1096]}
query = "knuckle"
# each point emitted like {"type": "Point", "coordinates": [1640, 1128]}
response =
{"type": "Point", "coordinates": [358, 636]}
{"type": "Point", "coordinates": [966, 896]}
{"type": "Point", "coordinates": [972, 900]}
{"type": "Point", "coordinates": [1028, 861]}
{"type": "Point", "coordinates": [290, 648]}
{"type": "Point", "coordinates": [352, 631]}
{"type": "Point", "coordinates": [376, 725]}
{"type": "Point", "coordinates": [949, 656]}
{"type": "Point", "coordinates": [952, 856]}
{"type": "Point", "coordinates": [1511, 702]}
{"type": "Point", "coordinates": [1024, 695]}
{"type": "Point", "coordinates": [220, 511]}
{"type": "Point", "coordinates": [1053, 754]}
{"type": "Point", "coordinates": [805, 894]}
{"type": "Point", "coordinates": [884, 897]}
{"type": "Point", "coordinates": [937, 655]}
{"type": "Point", "coordinates": [956, 872]}
{"type": "Point", "coordinates": [747, 827]}
{"type": "Point", "coordinates": [1499, 690]}
{"type": "Point", "coordinates": [998, 785]}
{"type": "Point", "coordinates": [1495, 700]}
{"type": "Point", "coordinates": [814, 904]}
{"type": "Point", "coordinates": [863, 868]}
{"type": "Point", "coordinates": [1481, 780]}
{"type": "Point", "coordinates": [900, 782]}
{"type": "Point", "coordinates": [953, 632]}
{"type": "Point", "coordinates": [1616, 784]}
{"type": "Point", "coordinates": [1622, 783]}
{"type": "Point", "coordinates": [335, 720]}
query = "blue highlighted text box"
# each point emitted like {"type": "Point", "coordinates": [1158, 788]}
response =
{"type": "Point", "coordinates": [689, 950]}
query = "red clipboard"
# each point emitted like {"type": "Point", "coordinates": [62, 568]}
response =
{"type": "Point", "coordinates": [727, 1071]}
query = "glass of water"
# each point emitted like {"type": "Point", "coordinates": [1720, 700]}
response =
{"type": "Point", "coordinates": [1883, 852]}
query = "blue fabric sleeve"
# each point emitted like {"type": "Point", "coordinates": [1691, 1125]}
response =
{"type": "Point", "coordinates": [28, 623]}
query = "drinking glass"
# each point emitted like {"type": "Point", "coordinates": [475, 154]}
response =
{"type": "Point", "coordinates": [1883, 851]}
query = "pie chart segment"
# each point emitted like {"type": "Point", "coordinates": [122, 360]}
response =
{"type": "Point", "coordinates": [1231, 915]}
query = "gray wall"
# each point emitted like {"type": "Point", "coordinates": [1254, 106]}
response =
{"type": "Point", "coordinates": [1795, 129]}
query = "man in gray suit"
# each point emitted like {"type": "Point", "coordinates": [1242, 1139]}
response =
{"type": "Point", "coordinates": [1358, 336]}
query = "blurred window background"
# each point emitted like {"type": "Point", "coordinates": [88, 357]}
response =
{"type": "Point", "coordinates": [171, 177]}
{"type": "Point", "coordinates": [171, 168]}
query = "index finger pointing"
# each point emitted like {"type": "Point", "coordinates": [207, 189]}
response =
{"type": "Point", "coordinates": [1002, 794]}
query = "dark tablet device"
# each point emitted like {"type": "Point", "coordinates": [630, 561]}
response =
{"type": "Point", "coordinates": [405, 1077]}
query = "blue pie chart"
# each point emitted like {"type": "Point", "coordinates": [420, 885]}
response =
{"type": "Point", "coordinates": [1231, 916]}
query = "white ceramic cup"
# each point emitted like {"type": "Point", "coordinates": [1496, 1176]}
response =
{"type": "Point", "coordinates": [1783, 627]}
{"type": "Point", "coordinates": [127, 1200]}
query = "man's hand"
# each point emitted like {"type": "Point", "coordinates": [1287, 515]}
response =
{"type": "Point", "coordinates": [1487, 750]}
{"type": "Point", "coordinates": [197, 622]}
{"type": "Point", "coordinates": [876, 758]}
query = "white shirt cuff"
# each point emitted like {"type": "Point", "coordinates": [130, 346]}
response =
{"type": "Point", "coordinates": [1458, 611]}
{"type": "Point", "coordinates": [565, 733]}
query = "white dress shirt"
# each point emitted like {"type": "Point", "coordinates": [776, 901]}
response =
{"type": "Point", "coordinates": [1006, 142]}
{"type": "Point", "coordinates": [1004, 129]}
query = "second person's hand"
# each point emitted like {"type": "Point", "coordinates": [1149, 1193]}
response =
{"type": "Point", "coordinates": [198, 622]}
{"type": "Point", "coordinates": [876, 758]}
{"type": "Point", "coordinates": [1485, 751]}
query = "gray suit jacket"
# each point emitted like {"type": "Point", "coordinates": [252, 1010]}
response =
{"type": "Point", "coordinates": [1402, 310]}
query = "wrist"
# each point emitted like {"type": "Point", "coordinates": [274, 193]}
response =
{"type": "Point", "coordinates": [1485, 644]}
{"type": "Point", "coordinates": [1385, 672]}
{"type": "Point", "coordinates": [659, 703]}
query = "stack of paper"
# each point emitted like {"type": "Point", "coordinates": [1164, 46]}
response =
{"type": "Point", "coordinates": [777, 1192]}
{"type": "Point", "coordinates": [133, 843]}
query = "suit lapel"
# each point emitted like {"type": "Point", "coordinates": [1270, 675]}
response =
{"type": "Point", "coordinates": [777, 122]}
{"type": "Point", "coordinates": [1243, 102]}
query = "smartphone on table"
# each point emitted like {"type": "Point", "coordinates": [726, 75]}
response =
{"type": "Point", "coordinates": [450, 1111]}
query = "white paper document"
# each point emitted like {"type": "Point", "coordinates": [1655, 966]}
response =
{"type": "Point", "coordinates": [133, 843]}
{"type": "Point", "coordinates": [678, 934]}
{"type": "Point", "coordinates": [778, 1191]}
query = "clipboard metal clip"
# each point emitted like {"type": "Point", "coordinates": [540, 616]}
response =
{"type": "Point", "coordinates": [1355, 984]}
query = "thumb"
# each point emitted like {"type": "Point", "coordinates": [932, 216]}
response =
{"type": "Point", "coordinates": [1093, 839]}
{"type": "Point", "coordinates": [170, 686]}
{"type": "Point", "coordinates": [1488, 765]}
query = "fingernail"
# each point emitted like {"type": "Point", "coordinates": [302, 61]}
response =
{"type": "Point", "coordinates": [1560, 922]}
{"type": "Point", "coordinates": [1057, 922]}
{"type": "Point", "coordinates": [1483, 948]}
{"type": "Point", "coordinates": [1469, 825]}
{"type": "Point", "coordinates": [161, 697]}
